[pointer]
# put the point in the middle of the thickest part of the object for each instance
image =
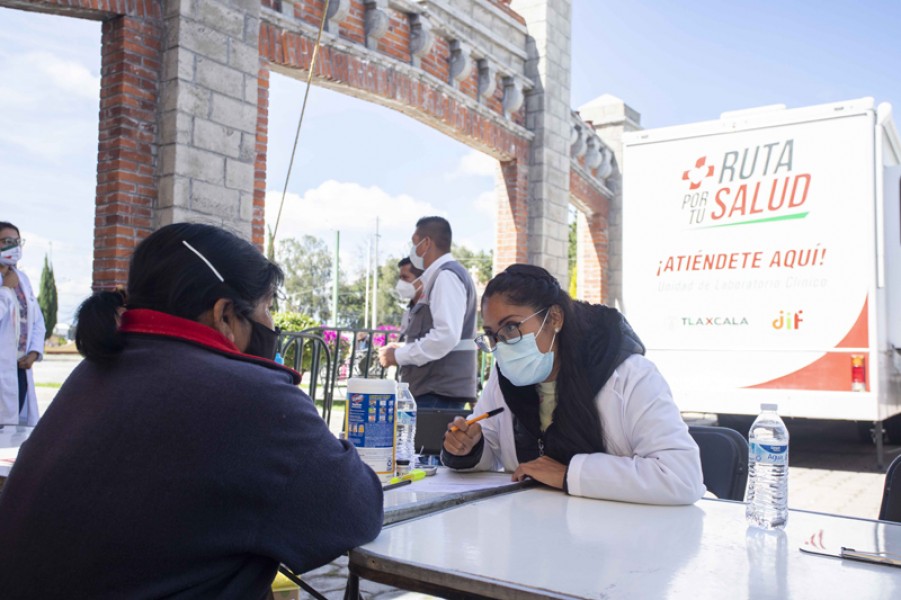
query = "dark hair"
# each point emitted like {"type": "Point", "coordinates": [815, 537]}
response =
{"type": "Point", "coordinates": [438, 230]}
{"type": "Point", "coordinates": [167, 276]}
{"type": "Point", "coordinates": [405, 261]}
{"type": "Point", "coordinates": [8, 225]}
{"type": "Point", "coordinates": [532, 286]}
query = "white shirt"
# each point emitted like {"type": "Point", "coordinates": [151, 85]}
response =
{"type": "Point", "coordinates": [447, 304]}
{"type": "Point", "coordinates": [651, 458]}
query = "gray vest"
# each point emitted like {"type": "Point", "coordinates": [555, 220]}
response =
{"type": "Point", "coordinates": [455, 373]}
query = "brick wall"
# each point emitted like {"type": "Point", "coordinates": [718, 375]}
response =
{"type": "Point", "coordinates": [127, 151]}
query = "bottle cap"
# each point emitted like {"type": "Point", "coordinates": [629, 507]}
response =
{"type": "Point", "coordinates": [772, 407]}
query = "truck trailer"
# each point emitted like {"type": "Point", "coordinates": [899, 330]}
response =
{"type": "Point", "coordinates": [762, 261]}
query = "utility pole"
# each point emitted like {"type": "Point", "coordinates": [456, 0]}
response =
{"type": "Point", "coordinates": [335, 280]}
{"type": "Point", "coordinates": [375, 278]}
{"type": "Point", "coordinates": [366, 296]}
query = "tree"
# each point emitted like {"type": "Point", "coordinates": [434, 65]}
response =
{"type": "Point", "coordinates": [48, 299]}
{"type": "Point", "coordinates": [270, 254]}
{"type": "Point", "coordinates": [308, 276]}
{"type": "Point", "coordinates": [482, 261]}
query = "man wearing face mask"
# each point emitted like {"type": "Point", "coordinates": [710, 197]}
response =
{"type": "Point", "coordinates": [21, 333]}
{"type": "Point", "coordinates": [409, 288]}
{"type": "Point", "coordinates": [439, 358]}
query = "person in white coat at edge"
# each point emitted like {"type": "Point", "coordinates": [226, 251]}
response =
{"type": "Point", "coordinates": [584, 410]}
{"type": "Point", "coordinates": [21, 334]}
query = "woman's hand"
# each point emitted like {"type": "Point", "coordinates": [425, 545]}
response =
{"type": "Point", "coordinates": [26, 361]}
{"type": "Point", "coordinates": [546, 470]}
{"type": "Point", "coordinates": [462, 441]}
{"type": "Point", "coordinates": [10, 278]}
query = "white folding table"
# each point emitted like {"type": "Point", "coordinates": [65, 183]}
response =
{"type": "Point", "coordinates": [541, 543]}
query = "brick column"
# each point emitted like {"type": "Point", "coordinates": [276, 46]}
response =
{"type": "Point", "coordinates": [208, 123]}
{"type": "Point", "coordinates": [511, 244]}
{"type": "Point", "coordinates": [259, 165]}
{"type": "Point", "coordinates": [127, 151]}
{"type": "Point", "coordinates": [611, 117]}
{"type": "Point", "coordinates": [591, 278]}
{"type": "Point", "coordinates": [549, 116]}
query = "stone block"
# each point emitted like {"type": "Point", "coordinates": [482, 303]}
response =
{"type": "Point", "coordinates": [184, 96]}
{"type": "Point", "coordinates": [244, 57]}
{"type": "Point", "coordinates": [200, 164]}
{"type": "Point", "coordinates": [215, 200]}
{"type": "Point", "coordinates": [203, 40]}
{"type": "Point", "coordinates": [176, 127]}
{"type": "Point", "coordinates": [222, 18]}
{"type": "Point", "coordinates": [173, 191]}
{"type": "Point", "coordinates": [178, 63]}
{"type": "Point", "coordinates": [234, 113]}
{"type": "Point", "coordinates": [246, 211]}
{"type": "Point", "coordinates": [248, 150]}
{"type": "Point", "coordinates": [217, 138]}
{"type": "Point", "coordinates": [251, 88]}
{"type": "Point", "coordinates": [220, 78]}
{"type": "Point", "coordinates": [239, 175]}
{"type": "Point", "coordinates": [180, 214]}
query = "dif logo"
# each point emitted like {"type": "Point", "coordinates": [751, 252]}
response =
{"type": "Point", "coordinates": [788, 320]}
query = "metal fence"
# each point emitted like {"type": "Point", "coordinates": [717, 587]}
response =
{"type": "Point", "coordinates": [327, 356]}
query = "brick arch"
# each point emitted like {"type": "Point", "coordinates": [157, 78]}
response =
{"type": "Point", "coordinates": [184, 108]}
{"type": "Point", "coordinates": [392, 71]}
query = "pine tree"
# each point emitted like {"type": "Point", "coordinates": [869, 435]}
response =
{"type": "Point", "coordinates": [47, 299]}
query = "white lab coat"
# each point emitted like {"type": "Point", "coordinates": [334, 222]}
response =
{"type": "Point", "coordinates": [651, 458]}
{"type": "Point", "coordinates": [9, 341]}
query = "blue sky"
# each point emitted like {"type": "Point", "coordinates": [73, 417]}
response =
{"type": "Point", "coordinates": [673, 62]}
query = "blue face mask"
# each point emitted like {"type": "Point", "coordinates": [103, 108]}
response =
{"type": "Point", "coordinates": [523, 363]}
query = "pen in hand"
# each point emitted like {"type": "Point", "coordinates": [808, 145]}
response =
{"type": "Point", "coordinates": [490, 413]}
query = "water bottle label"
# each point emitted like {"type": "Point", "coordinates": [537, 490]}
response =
{"type": "Point", "coordinates": [769, 454]}
{"type": "Point", "coordinates": [406, 417]}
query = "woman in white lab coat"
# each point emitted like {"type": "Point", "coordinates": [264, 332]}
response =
{"type": "Point", "coordinates": [21, 334]}
{"type": "Point", "coordinates": [583, 410]}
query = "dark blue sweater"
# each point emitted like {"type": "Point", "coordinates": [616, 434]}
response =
{"type": "Point", "coordinates": [179, 471]}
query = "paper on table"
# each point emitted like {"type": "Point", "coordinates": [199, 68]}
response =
{"type": "Point", "coordinates": [815, 544]}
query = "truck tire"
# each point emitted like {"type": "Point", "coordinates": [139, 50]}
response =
{"type": "Point", "coordinates": [892, 427]}
{"type": "Point", "coordinates": [891, 431]}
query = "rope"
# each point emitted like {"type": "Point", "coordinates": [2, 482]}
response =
{"type": "Point", "coordinates": [303, 109]}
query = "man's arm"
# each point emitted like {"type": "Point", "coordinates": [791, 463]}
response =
{"type": "Point", "coordinates": [448, 306]}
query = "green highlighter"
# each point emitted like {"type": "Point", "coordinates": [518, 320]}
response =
{"type": "Point", "coordinates": [414, 475]}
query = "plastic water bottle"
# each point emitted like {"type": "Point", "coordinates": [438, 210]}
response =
{"type": "Point", "coordinates": [768, 471]}
{"type": "Point", "coordinates": [406, 429]}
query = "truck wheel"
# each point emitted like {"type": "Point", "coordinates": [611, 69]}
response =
{"type": "Point", "coordinates": [892, 427]}
{"type": "Point", "coordinates": [891, 431]}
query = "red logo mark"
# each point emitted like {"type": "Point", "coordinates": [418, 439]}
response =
{"type": "Point", "coordinates": [696, 175]}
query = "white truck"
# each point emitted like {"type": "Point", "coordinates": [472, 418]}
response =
{"type": "Point", "coordinates": [762, 261]}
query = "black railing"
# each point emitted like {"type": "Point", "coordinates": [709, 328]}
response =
{"type": "Point", "coordinates": [328, 355]}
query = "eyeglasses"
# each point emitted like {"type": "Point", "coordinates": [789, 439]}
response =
{"type": "Point", "coordinates": [509, 334]}
{"type": "Point", "coordinates": [11, 243]}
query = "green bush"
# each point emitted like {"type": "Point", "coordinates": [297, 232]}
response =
{"type": "Point", "coordinates": [294, 322]}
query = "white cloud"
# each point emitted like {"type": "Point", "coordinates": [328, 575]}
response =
{"type": "Point", "coordinates": [475, 164]}
{"type": "Point", "coordinates": [486, 203]}
{"type": "Point", "coordinates": [352, 209]}
{"type": "Point", "coordinates": [72, 265]}
{"type": "Point", "coordinates": [48, 109]}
